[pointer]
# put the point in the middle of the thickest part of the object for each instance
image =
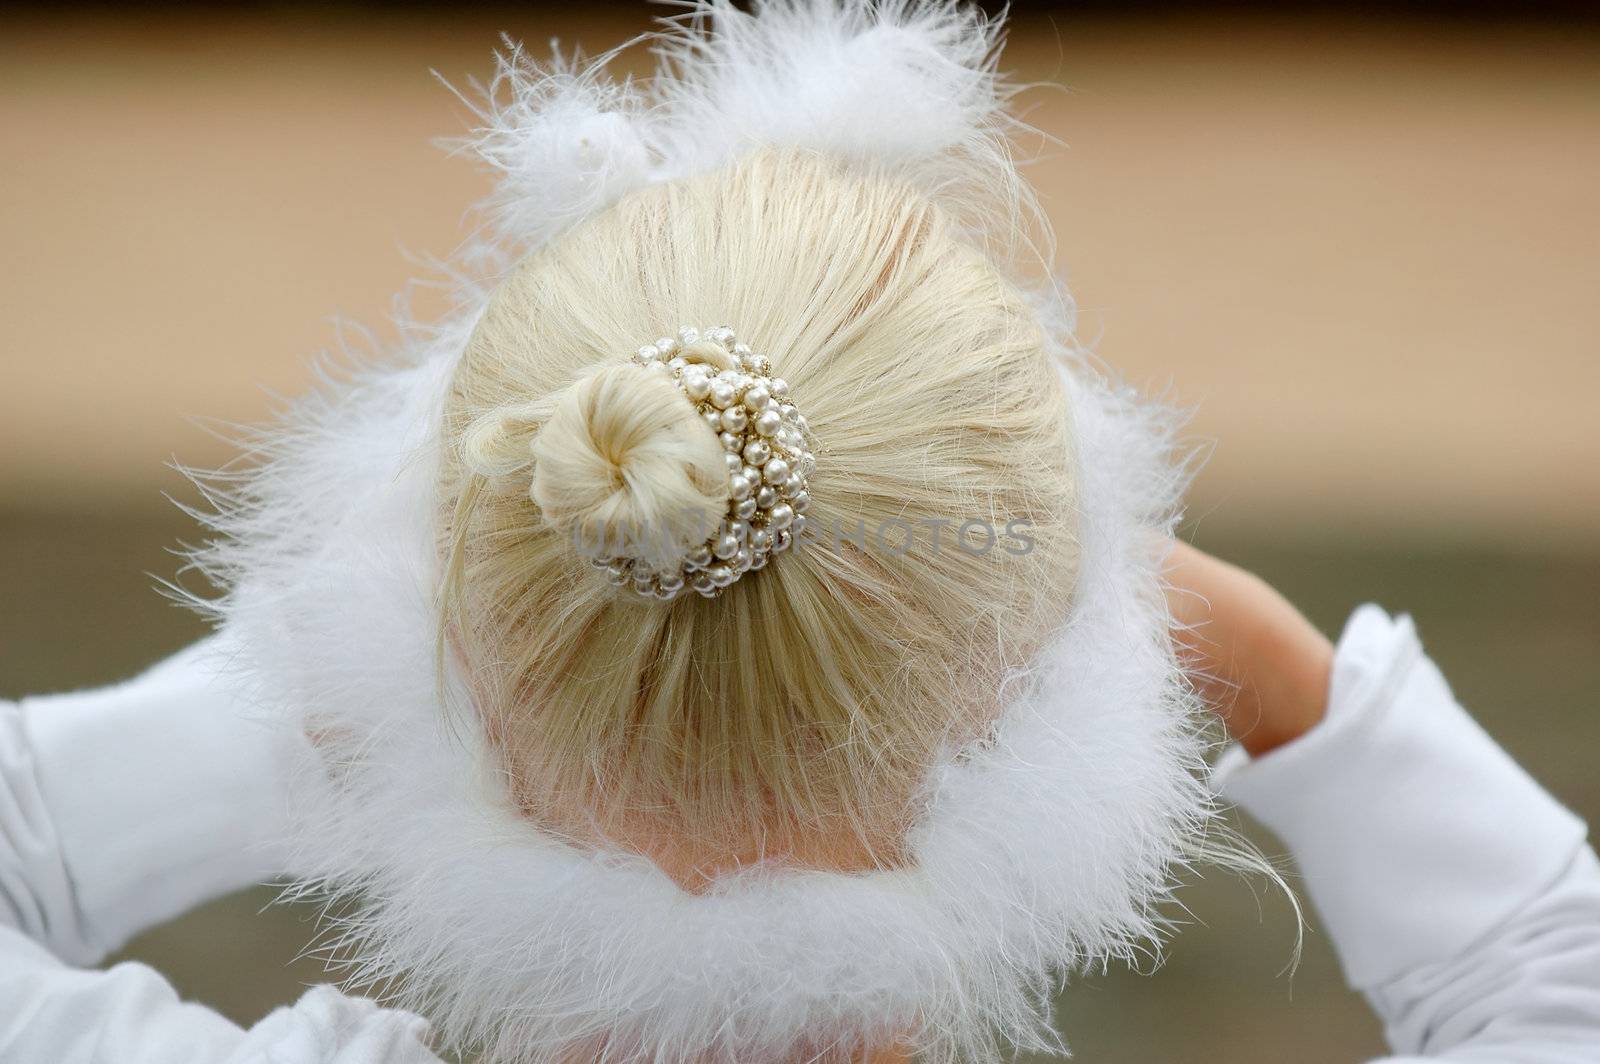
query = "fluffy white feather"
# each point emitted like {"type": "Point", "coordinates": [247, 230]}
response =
{"type": "Point", "coordinates": [904, 87]}
{"type": "Point", "coordinates": [1039, 855]}
{"type": "Point", "coordinates": [891, 83]}
{"type": "Point", "coordinates": [563, 141]}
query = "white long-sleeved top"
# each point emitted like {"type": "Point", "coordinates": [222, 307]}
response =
{"type": "Point", "coordinates": [1463, 900]}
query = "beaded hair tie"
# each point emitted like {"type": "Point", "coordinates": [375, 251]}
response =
{"type": "Point", "coordinates": [763, 436]}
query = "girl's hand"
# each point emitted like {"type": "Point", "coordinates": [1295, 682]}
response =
{"type": "Point", "coordinates": [1258, 662]}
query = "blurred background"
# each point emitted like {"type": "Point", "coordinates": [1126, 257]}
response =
{"type": "Point", "coordinates": [1362, 242]}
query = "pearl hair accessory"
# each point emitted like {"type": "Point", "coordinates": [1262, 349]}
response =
{"type": "Point", "coordinates": [763, 438]}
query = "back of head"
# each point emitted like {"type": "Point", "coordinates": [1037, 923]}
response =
{"type": "Point", "coordinates": [812, 696]}
{"type": "Point", "coordinates": [877, 593]}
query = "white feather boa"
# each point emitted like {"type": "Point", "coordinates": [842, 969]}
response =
{"type": "Point", "coordinates": [1041, 854]}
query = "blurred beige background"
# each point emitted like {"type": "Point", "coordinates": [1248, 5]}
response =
{"type": "Point", "coordinates": [1367, 250]}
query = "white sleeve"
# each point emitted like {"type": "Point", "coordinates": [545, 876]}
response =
{"type": "Point", "coordinates": [1462, 899]}
{"type": "Point", "coordinates": [120, 808]}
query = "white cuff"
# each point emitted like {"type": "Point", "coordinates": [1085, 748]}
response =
{"type": "Point", "coordinates": [1415, 833]}
{"type": "Point", "coordinates": [163, 790]}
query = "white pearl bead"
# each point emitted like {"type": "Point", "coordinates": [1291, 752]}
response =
{"type": "Point", "coordinates": [647, 353]}
{"type": "Point", "coordinates": [721, 394]}
{"type": "Point", "coordinates": [753, 475]}
{"type": "Point", "coordinates": [801, 502]}
{"type": "Point", "coordinates": [739, 487]}
{"type": "Point", "coordinates": [739, 530]}
{"type": "Point", "coordinates": [761, 540]}
{"type": "Point", "coordinates": [760, 562]}
{"type": "Point", "coordinates": [745, 508]}
{"type": "Point", "coordinates": [670, 582]}
{"type": "Point", "coordinates": [794, 485]}
{"type": "Point", "coordinates": [756, 452]}
{"type": "Point", "coordinates": [730, 442]}
{"type": "Point", "coordinates": [766, 498]}
{"type": "Point", "coordinates": [701, 582]}
{"type": "Point", "coordinates": [688, 335]}
{"type": "Point", "coordinates": [742, 560]}
{"type": "Point", "coordinates": [667, 346]}
{"type": "Point", "coordinates": [768, 423]}
{"type": "Point", "coordinates": [780, 387]}
{"type": "Point", "coordinates": [762, 364]}
{"type": "Point", "coordinates": [735, 464]}
{"type": "Point", "coordinates": [776, 471]}
{"type": "Point", "coordinates": [780, 542]}
{"type": "Point", "coordinates": [725, 547]}
{"type": "Point", "coordinates": [780, 516]}
{"type": "Point", "coordinates": [799, 525]}
{"type": "Point", "coordinates": [700, 556]}
{"type": "Point", "coordinates": [756, 398]}
{"type": "Point", "coordinates": [617, 574]}
{"type": "Point", "coordinates": [721, 575]}
{"type": "Point", "coordinates": [734, 419]}
{"type": "Point", "coordinates": [696, 385]}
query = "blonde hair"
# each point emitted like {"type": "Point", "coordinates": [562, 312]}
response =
{"type": "Point", "coordinates": [816, 692]}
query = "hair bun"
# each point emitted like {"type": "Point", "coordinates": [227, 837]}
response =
{"type": "Point", "coordinates": [628, 469]}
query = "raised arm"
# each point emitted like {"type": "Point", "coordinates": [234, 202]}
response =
{"type": "Point", "coordinates": [1463, 901]}
{"type": "Point", "coordinates": [120, 808]}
